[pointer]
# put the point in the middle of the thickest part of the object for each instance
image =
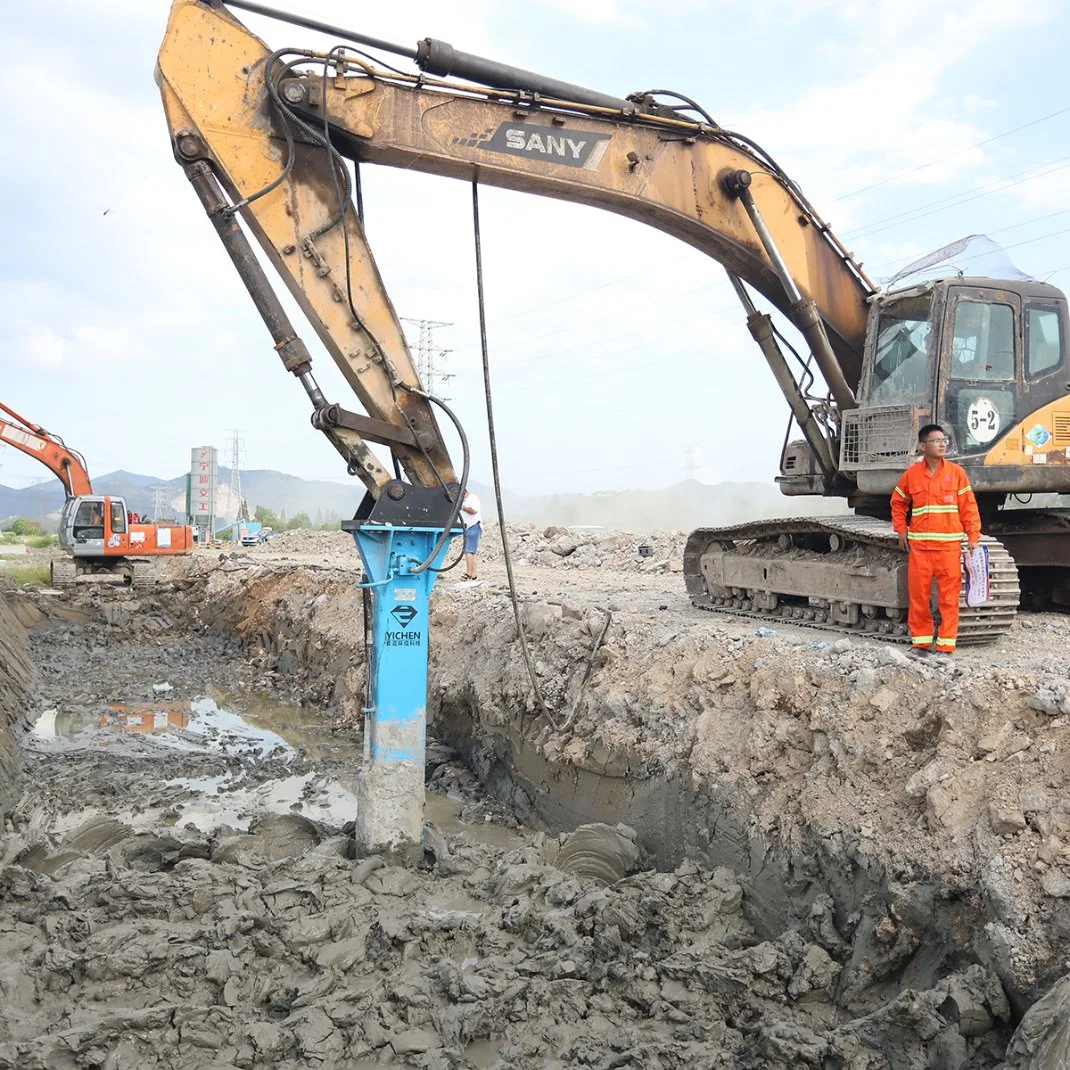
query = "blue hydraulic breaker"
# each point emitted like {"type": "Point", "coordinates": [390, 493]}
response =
{"type": "Point", "coordinates": [391, 788]}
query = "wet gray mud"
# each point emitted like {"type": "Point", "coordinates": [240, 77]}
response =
{"type": "Point", "coordinates": [178, 889]}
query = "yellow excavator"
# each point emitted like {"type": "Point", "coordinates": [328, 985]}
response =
{"type": "Point", "coordinates": [265, 135]}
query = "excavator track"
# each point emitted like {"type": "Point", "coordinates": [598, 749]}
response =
{"type": "Point", "coordinates": [63, 572]}
{"type": "Point", "coordinates": [142, 573]}
{"type": "Point", "coordinates": [844, 574]}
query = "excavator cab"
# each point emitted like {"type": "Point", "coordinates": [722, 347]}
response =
{"type": "Point", "coordinates": [987, 359]}
{"type": "Point", "coordinates": [91, 525]}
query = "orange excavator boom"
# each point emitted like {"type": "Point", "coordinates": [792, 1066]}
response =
{"type": "Point", "coordinates": [66, 464]}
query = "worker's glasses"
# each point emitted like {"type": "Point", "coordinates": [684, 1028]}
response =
{"type": "Point", "coordinates": [935, 442]}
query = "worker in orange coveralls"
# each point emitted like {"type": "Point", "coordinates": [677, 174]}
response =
{"type": "Point", "coordinates": [943, 512]}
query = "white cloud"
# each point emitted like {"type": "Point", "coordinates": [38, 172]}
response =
{"type": "Point", "coordinates": [38, 345]}
{"type": "Point", "coordinates": [893, 106]}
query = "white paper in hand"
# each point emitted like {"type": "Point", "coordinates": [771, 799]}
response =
{"type": "Point", "coordinates": [977, 576]}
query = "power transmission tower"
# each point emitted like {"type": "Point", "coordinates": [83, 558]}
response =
{"type": "Point", "coordinates": [159, 501]}
{"type": "Point", "coordinates": [443, 377]}
{"type": "Point", "coordinates": [428, 356]}
{"type": "Point", "coordinates": [237, 456]}
{"type": "Point", "coordinates": [691, 462]}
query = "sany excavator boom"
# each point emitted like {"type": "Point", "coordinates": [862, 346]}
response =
{"type": "Point", "coordinates": [94, 529]}
{"type": "Point", "coordinates": [263, 136]}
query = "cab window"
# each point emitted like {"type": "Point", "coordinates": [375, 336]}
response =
{"type": "Point", "coordinates": [901, 360]}
{"type": "Point", "coordinates": [982, 345]}
{"type": "Point", "coordinates": [118, 518]}
{"type": "Point", "coordinates": [1043, 340]}
{"type": "Point", "coordinates": [89, 520]}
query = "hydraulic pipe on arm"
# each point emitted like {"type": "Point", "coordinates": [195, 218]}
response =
{"type": "Point", "coordinates": [33, 440]}
{"type": "Point", "coordinates": [668, 172]}
{"type": "Point", "coordinates": [760, 326]}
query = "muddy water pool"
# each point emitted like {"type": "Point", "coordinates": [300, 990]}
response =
{"type": "Point", "coordinates": [243, 729]}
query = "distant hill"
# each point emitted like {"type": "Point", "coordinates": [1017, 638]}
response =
{"type": "Point", "coordinates": [322, 500]}
{"type": "Point", "coordinates": [685, 505]}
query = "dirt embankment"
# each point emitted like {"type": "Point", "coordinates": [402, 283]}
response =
{"type": "Point", "coordinates": [919, 814]}
{"type": "Point", "coordinates": [16, 614]}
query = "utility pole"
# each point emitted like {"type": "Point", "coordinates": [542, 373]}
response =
{"type": "Point", "coordinates": [428, 357]}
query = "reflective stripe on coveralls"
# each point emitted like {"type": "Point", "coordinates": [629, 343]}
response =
{"type": "Point", "coordinates": [925, 566]}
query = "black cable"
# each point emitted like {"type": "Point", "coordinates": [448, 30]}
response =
{"type": "Point", "coordinates": [359, 190]}
{"type": "Point", "coordinates": [343, 193]}
{"type": "Point", "coordinates": [372, 58]}
{"type": "Point", "coordinates": [807, 378]}
{"type": "Point", "coordinates": [426, 565]}
{"type": "Point", "coordinates": [344, 196]}
{"type": "Point", "coordinates": [807, 375]}
{"type": "Point", "coordinates": [687, 102]}
{"type": "Point", "coordinates": [274, 97]}
{"type": "Point", "coordinates": [455, 562]}
{"type": "Point", "coordinates": [494, 460]}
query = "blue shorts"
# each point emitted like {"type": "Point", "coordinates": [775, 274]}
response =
{"type": "Point", "coordinates": [471, 538]}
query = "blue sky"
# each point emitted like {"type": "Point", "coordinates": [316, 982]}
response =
{"type": "Point", "coordinates": [619, 355]}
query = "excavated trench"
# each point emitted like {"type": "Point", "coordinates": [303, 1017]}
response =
{"type": "Point", "coordinates": [825, 862]}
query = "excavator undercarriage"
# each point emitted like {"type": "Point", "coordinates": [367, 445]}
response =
{"type": "Point", "coordinates": [843, 573]}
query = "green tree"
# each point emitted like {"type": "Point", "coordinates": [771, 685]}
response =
{"type": "Point", "coordinates": [301, 520]}
{"type": "Point", "coordinates": [24, 526]}
{"type": "Point", "coordinates": [267, 518]}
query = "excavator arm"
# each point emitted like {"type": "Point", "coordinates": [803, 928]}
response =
{"type": "Point", "coordinates": [262, 134]}
{"type": "Point", "coordinates": [66, 464]}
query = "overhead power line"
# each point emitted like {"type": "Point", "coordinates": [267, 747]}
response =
{"type": "Point", "coordinates": [1013, 245]}
{"type": "Point", "coordinates": [863, 231]}
{"type": "Point", "coordinates": [615, 314]}
{"type": "Point", "coordinates": [941, 205]}
{"type": "Point", "coordinates": [950, 155]}
{"type": "Point", "coordinates": [883, 268]}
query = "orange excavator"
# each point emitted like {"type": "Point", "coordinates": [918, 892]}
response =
{"type": "Point", "coordinates": [96, 530]}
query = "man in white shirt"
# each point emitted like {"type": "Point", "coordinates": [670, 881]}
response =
{"type": "Point", "coordinates": [473, 528]}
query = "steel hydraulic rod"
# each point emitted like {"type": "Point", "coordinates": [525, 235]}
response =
{"type": "Point", "coordinates": [323, 27]}
{"type": "Point", "coordinates": [761, 329]}
{"type": "Point", "coordinates": [804, 313]}
{"type": "Point", "coordinates": [443, 60]}
{"type": "Point", "coordinates": [291, 349]}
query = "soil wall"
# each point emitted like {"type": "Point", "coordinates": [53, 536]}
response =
{"type": "Point", "coordinates": [15, 678]}
{"type": "Point", "coordinates": [900, 814]}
